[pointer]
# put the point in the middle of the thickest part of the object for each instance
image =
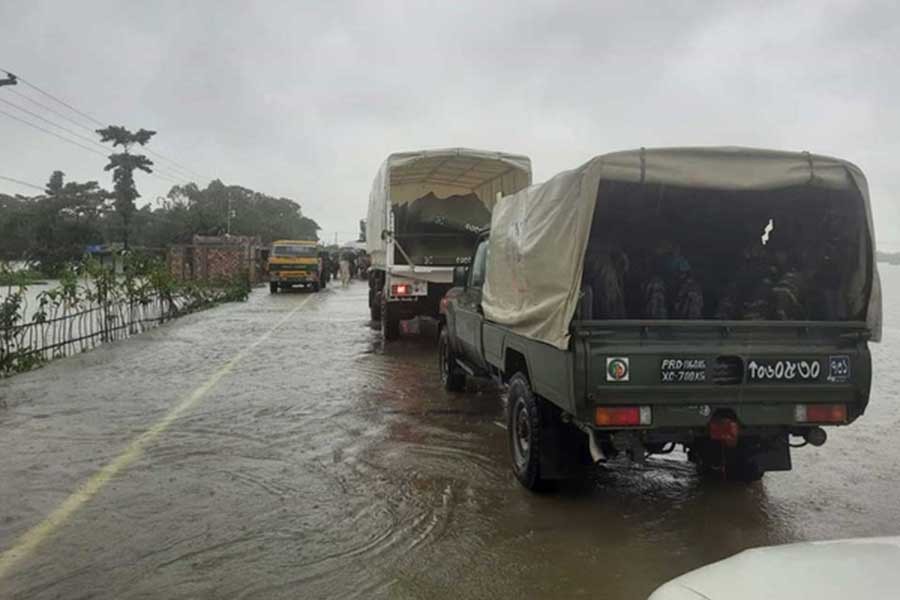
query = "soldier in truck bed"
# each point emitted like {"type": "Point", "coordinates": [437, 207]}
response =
{"type": "Point", "coordinates": [605, 272]}
{"type": "Point", "coordinates": [688, 295]}
{"type": "Point", "coordinates": [766, 287]}
{"type": "Point", "coordinates": [672, 291]}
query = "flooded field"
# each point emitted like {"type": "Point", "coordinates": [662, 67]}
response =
{"type": "Point", "coordinates": [275, 449]}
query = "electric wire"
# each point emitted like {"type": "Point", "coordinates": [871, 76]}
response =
{"type": "Point", "coordinates": [162, 176]}
{"type": "Point", "coordinates": [178, 177]}
{"type": "Point", "coordinates": [20, 182]}
{"type": "Point", "coordinates": [92, 119]}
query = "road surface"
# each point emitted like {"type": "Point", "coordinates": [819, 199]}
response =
{"type": "Point", "coordinates": [274, 449]}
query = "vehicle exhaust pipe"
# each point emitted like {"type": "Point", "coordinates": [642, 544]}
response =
{"type": "Point", "coordinates": [596, 453]}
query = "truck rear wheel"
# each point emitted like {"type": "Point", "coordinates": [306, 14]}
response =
{"type": "Point", "coordinates": [374, 305]}
{"type": "Point", "coordinates": [526, 425]}
{"type": "Point", "coordinates": [273, 287]}
{"type": "Point", "coordinates": [452, 377]}
{"type": "Point", "coordinates": [390, 322]}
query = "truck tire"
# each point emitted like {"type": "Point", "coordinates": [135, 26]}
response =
{"type": "Point", "coordinates": [273, 287]}
{"type": "Point", "coordinates": [526, 425]}
{"type": "Point", "coordinates": [390, 323]}
{"type": "Point", "coordinates": [452, 377]}
{"type": "Point", "coordinates": [374, 305]}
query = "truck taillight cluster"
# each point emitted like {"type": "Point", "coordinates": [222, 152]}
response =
{"type": "Point", "coordinates": [401, 289]}
{"type": "Point", "coordinates": [622, 416]}
{"type": "Point", "coordinates": [820, 413]}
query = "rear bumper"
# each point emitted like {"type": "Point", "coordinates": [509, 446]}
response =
{"type": "Point", "coordinates": [293, 277]}
{"type": "Point", "coordinates": [668, 416]}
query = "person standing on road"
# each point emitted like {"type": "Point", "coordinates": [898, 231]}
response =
{"type": "Point", "coordinates": [345, 270]}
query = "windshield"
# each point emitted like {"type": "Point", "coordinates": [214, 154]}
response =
{"type": "Point", "coordinates": [294, 250]}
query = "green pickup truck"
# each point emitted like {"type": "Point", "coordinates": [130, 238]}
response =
{"type": "Point", "coordinates": [716, 299]}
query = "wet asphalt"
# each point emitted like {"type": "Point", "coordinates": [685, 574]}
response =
{"type": "Point", "coordinates": [275, 449]}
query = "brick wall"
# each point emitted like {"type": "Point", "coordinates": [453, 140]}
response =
{"type": "Point", "coordinates": [210, 259]}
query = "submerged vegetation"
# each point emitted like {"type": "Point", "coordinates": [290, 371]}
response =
{"type": "Point", "coordinates": [91, 304]}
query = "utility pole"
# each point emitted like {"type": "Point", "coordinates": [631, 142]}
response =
{"type": "Point", "coordinates": [10, 80]}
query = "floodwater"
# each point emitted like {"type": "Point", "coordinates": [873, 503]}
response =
{"type": "Point", "coordinates": [274, 449]}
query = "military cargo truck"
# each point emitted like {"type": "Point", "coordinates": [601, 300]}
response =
{"type": "Point", "coordinates": [425, 211]}
{"type": "Point", "coordinates": [716, 299]}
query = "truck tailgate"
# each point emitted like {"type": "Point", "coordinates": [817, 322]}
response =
{"type": "Point", "coordinates": [758, 370]}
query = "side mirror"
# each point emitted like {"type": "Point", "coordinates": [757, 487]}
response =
{"type": "Point", "coordinates": [460, 276]}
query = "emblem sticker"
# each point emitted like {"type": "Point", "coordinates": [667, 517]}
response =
{"type": "Point", "coordinates": [838, 369]}
{"type": "Point", "coordinates": [617, 369]}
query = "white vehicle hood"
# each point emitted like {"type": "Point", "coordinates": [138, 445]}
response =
{"type": "Point", "coordinates": [866, 568]}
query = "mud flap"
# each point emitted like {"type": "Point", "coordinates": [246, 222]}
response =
{"type": "Point", "coordinates": [564, 449]}
{"type": "Point", "coordinates": [771, 453]}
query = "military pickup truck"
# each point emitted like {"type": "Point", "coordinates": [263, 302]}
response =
{"type": "Point", "coordinates": [716, 299]}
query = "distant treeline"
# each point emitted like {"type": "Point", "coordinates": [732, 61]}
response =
{"type": "Point", "coordinates": [889, 257]}
{"type": "Point", "coordinates": [56, 227]}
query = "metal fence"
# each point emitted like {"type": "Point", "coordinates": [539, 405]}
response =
{"type": "Point", "coordinates": [70, 329]}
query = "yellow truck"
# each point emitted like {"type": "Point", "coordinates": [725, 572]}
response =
{"type": "Point", "coordinates": [294, 262]}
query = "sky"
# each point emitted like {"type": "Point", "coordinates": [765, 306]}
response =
{"type": "Point", "coordinates": [306, 99]}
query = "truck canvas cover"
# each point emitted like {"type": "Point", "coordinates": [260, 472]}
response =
{"type": "Point", "coordinates": [539, 236]}
{"type": "Point", "coordinates": [452, 188]}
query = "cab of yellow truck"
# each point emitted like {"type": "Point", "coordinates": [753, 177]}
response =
{"type": "Point", "coordinates": [294, 262]}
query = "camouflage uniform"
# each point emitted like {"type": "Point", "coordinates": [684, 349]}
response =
{"type": "Point", "coordinates": [757, 306]}
{"type": "Point", "coordinates": [655, 305]}
{"type": "Point", "coordinates": [606, 278]}
{"type": "Point", "coordinates": [689, 299]}
{"type": "Point", "coordinates": [788, 297]}
{"type": "Point", "coordinates": [727, 309]}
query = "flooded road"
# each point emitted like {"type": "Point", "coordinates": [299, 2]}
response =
{"type": "Point", "coordinates": [274, 449]}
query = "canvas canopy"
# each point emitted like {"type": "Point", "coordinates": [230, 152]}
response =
{"type": "Point", "coordinates": [405, 177]}
{"type": "Point", "coordinates": [539, 236]}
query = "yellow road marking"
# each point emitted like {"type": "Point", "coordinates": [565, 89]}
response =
{"type": "Point", "coordinates": [31, 539]}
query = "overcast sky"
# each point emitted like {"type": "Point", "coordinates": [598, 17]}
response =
{"type": "Point", "coordinates": [305, 99]}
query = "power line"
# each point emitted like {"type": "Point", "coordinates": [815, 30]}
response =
{"type": "Point", "coordinates": [162, 176]}
{"type": "Point", "coordinates": [48, 121]}
{"type": "Point", "coordinates": [175, 163]}
{"type": "Point", "coordinates": [54, 98]}
{"type": "Point", "coordinates": [178, 177]}
{"type": "Point", "coordinates": [51, 110]}
{"type": "Point", "coordinates": [53, 133]}
{"type": "Point", "coordinates": [20, 182]}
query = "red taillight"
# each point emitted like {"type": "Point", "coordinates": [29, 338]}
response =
{"type": "Point", "coordinates": [820, 413]}
{"type": "Point", "coordinates": [622, 416]}
{"type": "Point", "coordinates": [401, 289]}
{"type": "Point", "coordinates": [445, 301]}
{"type": "Point", "coordinates": [724, 430]}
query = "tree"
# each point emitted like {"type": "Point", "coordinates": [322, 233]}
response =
{"type": "Point", "coordinates": [55, 227]}
{"type": "Point", "coordinates": [205, 212]}
{"type": "Point", "coordinates": [55, 185]}
{"type": "Point", "coordinates": [362, 230]}
{"type": "Point", "coordinates": [123, 165]}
